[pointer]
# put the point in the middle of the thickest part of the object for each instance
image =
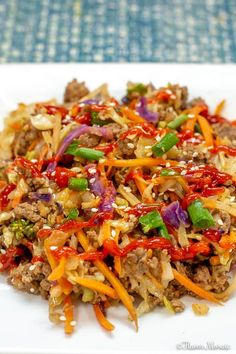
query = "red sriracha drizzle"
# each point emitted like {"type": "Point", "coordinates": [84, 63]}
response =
{"type": "Point", "coordinates": [143, 129]}
{"type": "Point", "coordinates": [106, 148]}
{"type": "Point", "coordinates": [213, 235]}
{"type": "Point", "coordinates": [4, 195]}
{"type": "Point", "coordinates": [56, 109]}
{"type": "Point", "coordinates": [73, 225]}
{"type": "Point", "coordinates": [111, 248]}
{"type": "Point", "coordinates": [8, 259]}
{"type": "Point", "coordinates": [226, 149]}
{"type": "Point", "coordinates": [28, 165]}
{"type": "Point", "coordinates": [61, 176]}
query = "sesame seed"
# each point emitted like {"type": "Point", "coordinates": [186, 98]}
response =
{"type": "Point", "coordinates": [53, 173]}
{"type": "Point", "coordinates": [147, 147]}
{"type": "Point", "coordinates": [94, 210]}
{"type": "Point", "coordinates": [46, 227]}
{"type": "Point", "coordinates": [73, 323]}
{"type": "Point", "coordinates": [32, 267]}
{"type": "Point", "coordinates": [130, 145]}
{"type": "Point", "coordinates": [149, 154]}
{"type": "Point", "coordinates": [127, 189]}
{"type": "Point", "coordinates": [195, 154]}
{"type": "Point", "coordinates": [92, 170]}
{"type": "Point", "coordinates": [167, 164]}
{"type": "Point", "coordinates": [113, 233]}
{"type": "Point", "coordinates": [114, 205]}
{"type": "Point", "coordinates": [127, 208]}
{"type": "Point", "coordinates": [232, 199]}
{"type": "Point", "coordinates": [3, 251]}
{"type": "Point", "coordinates": [220, 222]}
{"type": "Point", "coordinates": [32, 290]}
{"type": "Point", "coordinates": [53, 248]}
{"type": "Point", "coordinates": [153, 195]}
{"type": "Point", "coordinates": [191, 115]}
{"type": "Point", "coordinates": [62, 318]}
{"type": "Point", "coordinates": [183, 173]}
{"type": "Point", "coordinates": [92, 180]}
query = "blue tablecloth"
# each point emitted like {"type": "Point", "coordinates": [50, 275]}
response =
{"type": "Point", "coordinates": [117, 31]}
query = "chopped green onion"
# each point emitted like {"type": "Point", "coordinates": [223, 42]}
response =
{"type": "Point", "coordinates": [151, 221]}
{"type": "Point", "coordinates": [73, 214]}
{"type": "Point", "coordinates": [166, 172]}
{"type": "Point", "coordinates": [96, 120]}
{"type": "Point", "coordinates": [177, 122]}
{"type": "Point", "coordinates": [86, 153]}
{"type": "Point", "coordinates": [165, 144]}
{"type": "Point", "coordinates": [163, 232]}
{"type": "Point", "coordinates": [72, 148]}
{"type": "Point", "coordinates": [78, 184]}
{"type": "Point", "coordinates": [200, 216]}
{"type": "Point", "coordinates": [140, 88]}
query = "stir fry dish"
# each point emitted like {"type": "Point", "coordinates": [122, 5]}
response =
{"type": "Point", "coordinates": [113, 202]}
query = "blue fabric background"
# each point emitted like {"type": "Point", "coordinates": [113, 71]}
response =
{"type": "Point", "coordinates": [117, 31]}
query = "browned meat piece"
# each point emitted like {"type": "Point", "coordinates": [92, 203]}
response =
{"type": "Point", "coordinates": [89, 140]}
{"type": "Point", "coordinates": [28, 211]}
{"type": "Point", "coordinates": [177, 305]}
{"type": "Point", "coordinates": [24, 139]}
{"type": "Point", "coordinates": [190, 152]}
{"type": "Point", "coordinates": [222, 221]}
{"type": "Point", "coordinates": [74, 91]}
{"type": "Point", "coordinates": [202, 276]}
{"type": "Point", "coordinates": [219, 281]}
{"type": "Point", "coordinates": [126, 148]}
{"type": "Point", "coordinates": [116, 128]}
{"type": "Point", "coordinates": [225, 130]}
{"type": "Point", "coordinates": [196, 102]}
{"type": "Point", "coordinates": [174, 290]}
{"type": "Point", "coordinates": [31, 278]}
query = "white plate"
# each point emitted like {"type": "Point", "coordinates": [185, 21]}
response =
{"type": "Point", "coordinates": [24, 324]}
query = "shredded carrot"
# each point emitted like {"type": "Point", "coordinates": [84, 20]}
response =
{"type": "Point", "coordinates": [190, 124]}
{"type": "Point", "coordinates": [149, 161]}
{"type": "Point", "coordinates": [215, 260]}
{"type": "Point", "coordinates": [206, 130]}
{"type": "Point", "coordinates": [115, 282]}
{"type": "Point", "coordinates": [218, 141]}
{"type": "Point", "coordinates": [69, 315]}
{"type": "Point", "coordinates": [105, 231]}
{"type": "Point", "coordinates": [65, 285]}
{"type": "Point", "coordinates": [131, 115]}
{"type": "Point", "coordinates": [120, 290]}
{"type": "Point", "coordinates": [2, 184]}
{"type": "Point", "coordinates": [58, 272]}
{"type": "Point", "coordinates": [188, 284]}
{"type": "Point", "coordinates": [32, 145]}
{"type": "Point", "coordinates": [102, 319]}
{"type": "Point", "coordinates": [219, 108]}
{"type": "Point", "coordinates": [57, 238]}
{"type": "Point", "coordinates": [96, 285]}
